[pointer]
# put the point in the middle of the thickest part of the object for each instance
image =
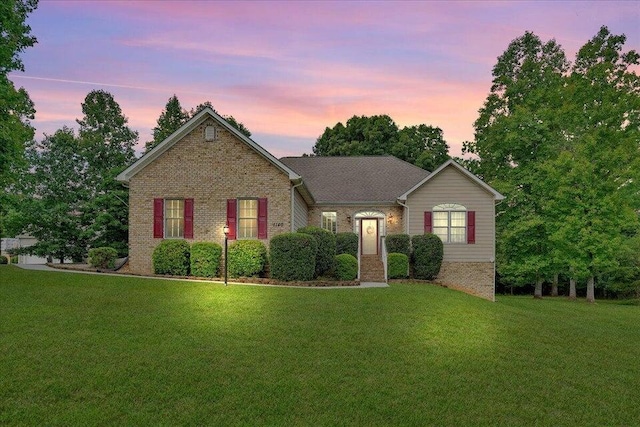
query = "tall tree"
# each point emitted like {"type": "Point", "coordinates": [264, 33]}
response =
{"type": "Point", "coordinates": [16, 108]}
{"type": "Point", "coordinates": [597, 177]}
{"type": "Point", "coordinates": [107, 145]}
{"type": "Point", "coordinates": [421, 145]}
{"type": "Point", "coordinates": [517, 130]}
{"type": "Point", "coordinates": [55, 182]}
{"type": "Point", "coordinates": [172, 117]}
{"type": "Point", "coordinates": [230, 119]}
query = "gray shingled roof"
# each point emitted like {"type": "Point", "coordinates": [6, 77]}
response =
{"type": "Point", "coordinates": [355, 179]}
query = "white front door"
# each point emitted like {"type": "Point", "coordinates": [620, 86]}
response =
{"type": "Point", "coordinates": [369, 236]}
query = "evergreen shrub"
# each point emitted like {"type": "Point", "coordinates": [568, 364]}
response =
{"type": "Point", "coordinates": [326, 248]}
{"type": "Point", "coordinates": [398, 243]}
{"type": "Point", "coordinates": [293, 256]}
{"type": "Point", "coordinates": [347, 243]}
{"type": "Point", "coordinates": [427, 256]}
{"type": "Point", "coordinates": [346, 267]}
{"type": "Point", "coordinates": [205, 259]}
{"type": "Point", "coordinates": [397, 266]}
{"type": "Point", "coordinates": [247, 258]}
{"type": "Point", "coordinates": [104, 257]}
{"type": "Point", "coordinates": [171, 257]}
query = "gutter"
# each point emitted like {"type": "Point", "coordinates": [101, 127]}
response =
{"type": "Point", "coordinates": [406, 217]}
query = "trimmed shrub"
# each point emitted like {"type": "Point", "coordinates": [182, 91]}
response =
{"type": "Point", "coordinates": [346, 267]}
{"type": "Point", "coordinates": [4, 259]}
{"type": "Point", "coordinates": [326, 248]}
{"type": "Point", "coordinates": [171, 257]}
{"type": "Point", "coordinates": [293, 256]}
{"type": "Point", "coordinates": [247, 258]}
{"type": "Point", "coordinates": [347, 243]}
{"type": "Point", "coordinates": [205, 259]}
{"type": "Point", "coordinates": [14, 259]}
{"type": "Point", "coordinates": [397, 266]}
{"type": "Point", "coordinates": [399, 244]}
{"type": "Point", "coordinates": [104, 257]}
{"type": "Point", "coordinates": [427, 256]}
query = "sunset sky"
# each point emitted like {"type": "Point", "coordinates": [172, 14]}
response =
{"type": "Point", "coordinates": [289, 69]}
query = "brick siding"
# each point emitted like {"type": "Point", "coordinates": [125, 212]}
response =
{"type": "Point", "coordinates": [475, 278]}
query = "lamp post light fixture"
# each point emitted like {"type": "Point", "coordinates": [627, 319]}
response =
{"type": "Point", "coordinates": [225, 230]}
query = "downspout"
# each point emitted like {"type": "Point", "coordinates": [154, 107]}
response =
{"type": "Point", "coordinates": [293, 204]}
{"type": "Point", "coordinates": [405, 217]}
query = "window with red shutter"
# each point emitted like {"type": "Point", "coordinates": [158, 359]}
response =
{"type": "Point", "coordinates": [188, 218]}
{"type": "Point", "coordinates": [262, 218]}
{"type": "Point", "coordinates": [428, 222]}
{"type": "Point", "coordinates": [158, 218]}
{"type": "Point", "coordinates": [471, 227]}
{"type": "Point", "coordinates": [232, 213]}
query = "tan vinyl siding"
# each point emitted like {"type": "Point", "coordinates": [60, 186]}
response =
{"type": "Point", "coordinates": [451, 186]}
{"type": "Point", "coordinates": [300, 211]}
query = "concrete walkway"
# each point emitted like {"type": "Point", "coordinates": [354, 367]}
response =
{"type": "Point", "coordinates": [43, 267]}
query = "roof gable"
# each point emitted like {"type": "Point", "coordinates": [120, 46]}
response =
{"type": "Point", "coordinates": [189, 126]}
{"type": "Point", "coordinates": [454, 164]}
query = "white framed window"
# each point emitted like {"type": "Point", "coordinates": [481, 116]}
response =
{"type": "Point", "coordinates": [173, 218]}
{"type": "Point", "coordinates": [330, 221]}
{"type": "Point", "coordinates": [450, 223]}
{"type": "Point", "coordinates": [247, 218]}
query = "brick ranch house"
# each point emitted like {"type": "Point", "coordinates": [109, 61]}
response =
{"type": "Point", "coordinates": [207, 174]}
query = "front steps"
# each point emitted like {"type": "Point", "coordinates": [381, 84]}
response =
{"type": "Point", "coordinates": [371, 269]}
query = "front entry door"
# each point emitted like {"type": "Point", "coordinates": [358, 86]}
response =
{"type": "Point", "coordinates": [369, 236]}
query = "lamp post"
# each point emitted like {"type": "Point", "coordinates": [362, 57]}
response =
{"type": "Point", "coordinates": [225, 230]}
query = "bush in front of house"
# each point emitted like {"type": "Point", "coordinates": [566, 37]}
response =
{"type": "Point", "coordinates": [427, 256]}
{"type": "Point", "coordinates": [247, 258]}
{"type": "Point", "coordinates": [171, 257]}
{"type": "Point", "coordinates": [3, 260]}
{"type": "Point", "coordinates": [205, 259]}
{"type": "Point", "coordinates": [346, 267]}
{"type": "Point", "coordinates": [397, 266]}
{"type": "Point", "coordinates": [293, 256]}
{"type": "Point", "coordinates": [104, 257]}
{"type": "Point", "coordinates": [326, 248]}
{"type": "Point", "coordinates": [347, 243]}
{"type": "Point", "coordinates": [398, 243]}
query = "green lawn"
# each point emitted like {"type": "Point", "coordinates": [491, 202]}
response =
{"type": "Point", "coordinates": [80, 349]}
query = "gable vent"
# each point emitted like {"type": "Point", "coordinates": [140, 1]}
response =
{"type": "Point", "coordinates": [210, 133]}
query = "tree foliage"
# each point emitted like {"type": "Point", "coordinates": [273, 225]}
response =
{"type": "Point", "coordinates": [16, 108]}
{"type": "Point", "coordinates": [421, 145]}
{"type": "Point", "coordinates": [172, 117]}
{"type": "Point", "coordinates": [560, 141]}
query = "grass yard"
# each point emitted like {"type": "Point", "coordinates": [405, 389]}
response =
{"type": "Point", "coordinates": [80, 349]}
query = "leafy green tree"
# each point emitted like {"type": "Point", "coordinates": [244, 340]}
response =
{"type": "Point", "coordinates": [421, 145]}
{"type": "Point", "coordinates": [597, 177]}
{"type": "Point", "coordinates": [16, 108]}
{"type": "Point", "coordinates": [172, 117]}
{"type": "Point", "coordinates": [57, 194]}
{"type": "Point", "coordinates": [230, 119]}
{"type": "Point", "coordinates": [517, 131]}
{"type": "Point", "coordinates": [107, 145]}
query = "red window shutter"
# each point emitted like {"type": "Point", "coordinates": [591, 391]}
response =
{"type": "Point", "coordinates": [262, 218]}
{"type": "Point", "coordinates": [428, 222]}
{"type": "Point", "coordinates": [232, 213]}
{"type": "Point", "coordinates": [158, 218]}
{"type": "Point", "coordinates": [471, 227]}
{"type": "Point", "coordinates": [188, 218]}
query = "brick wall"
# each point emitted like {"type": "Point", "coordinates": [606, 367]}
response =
{"type": "Point", "coordinates": [210, 172]}
{"type": "Point", "coordinates": [475, 278]}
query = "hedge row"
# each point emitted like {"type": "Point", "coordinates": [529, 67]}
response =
{"type": "Point", "coordinates": [424, 252]}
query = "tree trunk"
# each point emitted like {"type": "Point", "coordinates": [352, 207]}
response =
{"type": "Point", "coordinates": [554, 286]}
{"type": "Point", "coordinates": [538, 291]}
{"type": "Point", "coordinates": [572, 289]}
{"type": "Point", "coordinates": [591, 289]}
